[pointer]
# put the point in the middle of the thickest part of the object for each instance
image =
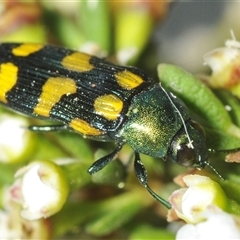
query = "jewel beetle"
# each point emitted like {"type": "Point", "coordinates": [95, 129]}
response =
{"type": "Point", "coordinates": [101, 101]}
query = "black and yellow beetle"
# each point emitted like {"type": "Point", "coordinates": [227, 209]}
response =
{"type": "Point", "coordinates": [101, 101]}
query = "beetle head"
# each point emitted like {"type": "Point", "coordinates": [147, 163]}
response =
{"type": "Point", "coordinates": [188, 146]}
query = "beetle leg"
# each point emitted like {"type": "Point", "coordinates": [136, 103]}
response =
{"type": "Point", "coordinates": [47, 128]}
{"type": "Point", "coordinates": [141, 174]}
{"type": "Point", "coordinates": [102, 162]}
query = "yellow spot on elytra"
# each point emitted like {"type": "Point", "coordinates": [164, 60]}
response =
{"type": "Point", "coordinates": [128, 80]}
{"type": "Point", "coordinates": [25, 49]}
{"type": "Point", "coordinates": [84, 127]}
{"type": "Point", "coordinates": [108, 106]}
{"type": "Point", "coordinates": [78, 62]}
{"type": "Point", "coordinates": [8, 78]}
{"type": "Point", "coordinates": [52, 91]}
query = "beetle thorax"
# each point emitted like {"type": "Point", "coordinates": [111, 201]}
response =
{"type": "Point", "coordinates": [152, 122]}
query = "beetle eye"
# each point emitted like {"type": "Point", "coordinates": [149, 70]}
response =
{"type": "Point", "coordinates": [180, 153]}
{"type": "Point", "coordinates": [185, 155]}
{"type": "Point", "coordinates": [188, 148]}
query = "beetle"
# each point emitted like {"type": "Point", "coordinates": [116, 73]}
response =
{"type": "Point", "coordinates": [101, 101]}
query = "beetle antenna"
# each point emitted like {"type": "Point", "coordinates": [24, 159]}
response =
{"type": "Point", "coordinates": [224, 150]}
{"type": "Point", "coordinates": [180, 115]}
{"type": "Point", "coordinates": [214, 170]}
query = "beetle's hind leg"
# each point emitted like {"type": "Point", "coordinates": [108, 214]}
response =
{"type": "Point", "coordinates": [141, 174]}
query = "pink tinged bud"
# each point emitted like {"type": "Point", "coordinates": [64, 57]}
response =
{"type": "Point", "coordinates": [41, 188]}
{"type": "Point", "coordinates": [191, 202]}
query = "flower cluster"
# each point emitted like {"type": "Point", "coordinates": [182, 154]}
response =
{"type": "Point", "coordinates": [225, 63]}
{"type": "Point", "coordinates": [203, 205]}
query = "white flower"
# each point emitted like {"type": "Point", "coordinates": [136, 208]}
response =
{"type": "Point", "coordinates": [13, 226]}
{"type": "Point", "coordinates": [191, 202]}
{"type": "Point", "coordinates": [15, 139]}
{"type": "Point", "coordinates": [218, 225]}
{"type": "Point", "coordinates": [224, 63]}
{"type": "Point", "coordinates": [219, 58]}
{"type": "Point", "coordinates": [41, 188]}
{"type": "Point", "coordinates": [201, 205]}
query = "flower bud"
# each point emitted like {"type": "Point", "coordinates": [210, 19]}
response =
{"type": "Point", "coordinates": [218, 225]}
{"type": "Point", "coordinates": [41, 188]}
{"type": "Point", "coordinates": [225, 63]}
{"type": "Point", "coordinates": [14, 149]}
{"type": "Point", "coordinates": [190, 203]}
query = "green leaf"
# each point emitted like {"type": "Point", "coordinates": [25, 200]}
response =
{"type": "Point", "coordinates": [147, 232]}
{"type": "Point", "coordinates": [71, 215]}
{"type": "Point", "coordinates": [129, 35]}
{"type": "Point", "coordinates": [113, 213]}
{"type": "Point", "coordinates": [198, 97]}
{"type": "Point", "coordinates": [34, 33]}
{"type": "Point", "coordinates": [94, 19]}
{"type": "Point", "coordinates": [100, 217]}
{"type": "Point", "coordinates": [232, 103]}
{"type": "Point", "coordinates": [65, 29]}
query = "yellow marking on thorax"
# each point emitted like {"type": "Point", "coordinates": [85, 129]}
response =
{"type": "Point", "coordinates": [108, 106]}
{"type": "Point", "coordinates": [26, 49]}
{"type": "Point", "coordinates": [8, 78]}
{"type": "Point", "coordinates": [52, 91]}
{"type": "Point", "coordinates": [78, 62]}
{"type": "Point", "coordinates": [84, 127]}
{"type": "Point", "coordinates": [128, 80]}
